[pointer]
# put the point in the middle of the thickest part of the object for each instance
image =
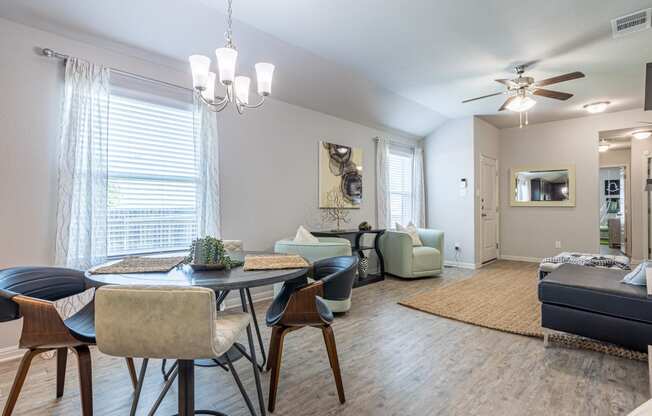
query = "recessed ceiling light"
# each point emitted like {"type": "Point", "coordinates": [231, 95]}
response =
{"type": "Point", "coordinates": [642, 135]}
{"type": "Point", "coordinates": [598, 107]}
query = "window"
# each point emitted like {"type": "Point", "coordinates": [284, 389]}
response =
{"type": "Point", "coordinates": [400, 185]}
{"type": "Point", "coordinates": [152, 175]}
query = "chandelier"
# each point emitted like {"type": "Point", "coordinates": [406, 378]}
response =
{"type": "Point", "coordinates": [237, 87]}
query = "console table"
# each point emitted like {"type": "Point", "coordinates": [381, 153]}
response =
{"type": "Point", "coordinates": [359, 249]}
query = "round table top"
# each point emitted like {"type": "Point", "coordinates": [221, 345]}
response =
{"type": "Point", "coordinates": [233, 279]}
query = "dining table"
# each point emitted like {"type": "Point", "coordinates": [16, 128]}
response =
{"type": "Point", "coordinates": [222, 282]}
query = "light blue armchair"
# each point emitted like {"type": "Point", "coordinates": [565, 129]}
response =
{"type": "Point", "coordinates": [404, 260]}
{"type": "Point", "coordinates": [326, 247]}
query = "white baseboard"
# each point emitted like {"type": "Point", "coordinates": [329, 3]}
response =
{"type": "Point", "coordinates": [521, 258]}
{"type": "Point", "coordinates": [461, 264]}
{"type": "Point", "coordinates": [10, 353]}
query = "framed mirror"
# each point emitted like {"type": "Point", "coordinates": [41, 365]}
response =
{"type": "Point", "coordinates": [543, 187]}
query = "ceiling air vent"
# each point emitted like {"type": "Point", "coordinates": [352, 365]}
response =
{"type": "Point", "coordinates": [633, 22]}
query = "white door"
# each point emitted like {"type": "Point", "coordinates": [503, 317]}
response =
{"type": "Point", "coordinates": [489, 208]}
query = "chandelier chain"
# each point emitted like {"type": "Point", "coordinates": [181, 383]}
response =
{"type": "Point", "coordinates": [229, 23]}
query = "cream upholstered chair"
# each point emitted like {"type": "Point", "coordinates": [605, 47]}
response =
{"type": "Point", "coordinates": [168, 322]}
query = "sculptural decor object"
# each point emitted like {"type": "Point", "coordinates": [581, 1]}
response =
{"type": "Point", "coordinates": [340, 170]}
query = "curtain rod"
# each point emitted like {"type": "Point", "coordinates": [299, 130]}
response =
{"type": "Point", "coordinates": [398, 143]}
{"type": "Point", "coordinates": [53, 54]}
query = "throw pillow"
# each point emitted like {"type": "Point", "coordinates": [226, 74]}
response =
{"type": "Point", "coordinates": [410, 230]}
{"type": "Point", "coordinates": [304, 236]}
{"type": "Point", "coordinates": [638, 276]}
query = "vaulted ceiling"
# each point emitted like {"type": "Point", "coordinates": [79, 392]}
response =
{"type": "Point", "coordinates": [406, 65]}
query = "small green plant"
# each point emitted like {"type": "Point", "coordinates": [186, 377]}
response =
{"type": "Point", "coordinates": [208, 250]}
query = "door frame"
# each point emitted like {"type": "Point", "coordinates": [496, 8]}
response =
{"type": "Point", "coordinates": [646, 165]}
{"type": "Point", "coordinates": [496, 197]}
{"type": "Point", "coordinates": [629, 246]}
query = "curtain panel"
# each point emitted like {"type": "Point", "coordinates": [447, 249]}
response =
{"type": "Point", "coordinates": [382, 184]}
{"type": "Point", "coordinates": [83, 166]}
{"type": "Point", "coordinates": [207, 156]}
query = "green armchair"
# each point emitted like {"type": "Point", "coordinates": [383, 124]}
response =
{"type": "Point", "coordinates": [326, 247]}
{"type": "Point", "coordinates": [404, 260]}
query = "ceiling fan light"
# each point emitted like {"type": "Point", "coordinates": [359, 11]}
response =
{"type": "Point", "coordinates": [521, 104]}
{"type": "Point", "coordinates": [642, 135]}
{"type": "Point", "coordinates": [597, 107]}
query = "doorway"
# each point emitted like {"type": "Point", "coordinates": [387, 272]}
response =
{"type": "Point", "coordinates": [613, 210]}
{"type": "Point", "coordinates": [614, 192]}
{"type": "Point", "coordinates": [488, 209]}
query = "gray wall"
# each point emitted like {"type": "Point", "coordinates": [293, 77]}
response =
{"type": "Point", "coordinates": [531, 232]}
{"type": "Point", "coordinates": [449, 157]}
{"type": "Point", "coordinates": [268, 156]}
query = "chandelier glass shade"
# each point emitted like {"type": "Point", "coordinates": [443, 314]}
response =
{"type": "Point", "coordinates": [236, 87]}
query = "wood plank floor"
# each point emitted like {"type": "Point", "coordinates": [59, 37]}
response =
{"type": "Point", "coordinates": [395, 361]}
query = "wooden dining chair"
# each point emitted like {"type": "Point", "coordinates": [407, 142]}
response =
{"type": "Point", "coordinates": [300, 304]}
{"type": "Point", "coordinates": [29, 292]}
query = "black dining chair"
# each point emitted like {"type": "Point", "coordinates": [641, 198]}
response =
{"type": "Point", "coordinates": [300, 304]}
{"type": "Point", "coordinates": [29, 292]}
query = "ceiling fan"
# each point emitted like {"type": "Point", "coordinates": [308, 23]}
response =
{"type": "Point", "coordinates": [521, 88]}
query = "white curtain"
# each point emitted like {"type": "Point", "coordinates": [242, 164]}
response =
{"type": "Point", "coordinates": [418, 189]}
{"type": "Point", "coordinates": [207, 157]}
{"type": "Point", "coordinates": [81, 240]}
{"type": "Point", "coordinates": [382, 183]}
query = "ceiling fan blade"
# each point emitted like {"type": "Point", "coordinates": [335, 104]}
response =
{"type": "Point", "coordinates": [552, 94]}
{"type": "Point", "coordinates": [560, 78]}
{"type": "Point", "coordinates": [506, 103]}
{"type": "Point", "coordinates": [507, 82]}
{"type": "Point", "coordinates": [484, 96]}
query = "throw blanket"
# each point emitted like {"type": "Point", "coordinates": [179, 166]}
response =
{"type": "Point", "coordinates": [590, 261]}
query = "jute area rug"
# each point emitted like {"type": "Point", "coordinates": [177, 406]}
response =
{"type": "Point", "coordinates": [503, 296]}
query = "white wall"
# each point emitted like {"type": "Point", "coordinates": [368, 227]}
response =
{"type": "Point", "coordinates": [449, 157]}
{"type": "Point", "coordinates": [531, 232]}
{"type": "Point", "coordinates": [268, 157]}
{"type": "Point", "coordinates": [485, 143]}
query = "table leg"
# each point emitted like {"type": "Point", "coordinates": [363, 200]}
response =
{"type": "Point", "coordinates": [186, 387]}
{"type": "Point", "coordinates": [252, 350]}
{"type": "Point", "coordinates": [257, 328]}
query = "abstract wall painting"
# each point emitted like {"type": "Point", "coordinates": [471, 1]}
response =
{"type": "Point", "coordinates": [340, 176]}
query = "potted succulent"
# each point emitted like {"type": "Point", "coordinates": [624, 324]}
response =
{"type": "Point", "coordinates": [207, 253]}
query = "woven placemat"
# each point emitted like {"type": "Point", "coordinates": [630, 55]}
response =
{"type": "Point", "coordinates": [274, 262]}
{"type": "Point", "coordinates": [140, 265]}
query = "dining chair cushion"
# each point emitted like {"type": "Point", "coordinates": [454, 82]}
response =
{"type": "Point", "coordinates": [228, 328]}
{"type": "Point", "coordinates": [46, 283]}
{"type": "Point", "coordinates": [163, 322]}
{"type": "Point", "coordinates": [82, 324]}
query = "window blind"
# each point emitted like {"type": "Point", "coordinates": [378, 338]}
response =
{"type": "Point", "coordinates": [400, 186]}
{"type": "Point", "coordinates": [152, 176]}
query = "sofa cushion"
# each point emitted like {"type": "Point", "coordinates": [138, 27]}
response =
{"type": "Point", "coordinates": [596, 290]}
{"type": "Point", "coordinates": [425, 259]}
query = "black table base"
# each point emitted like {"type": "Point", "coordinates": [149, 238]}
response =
{"type": "Point", "coordinates": [371, 278]}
